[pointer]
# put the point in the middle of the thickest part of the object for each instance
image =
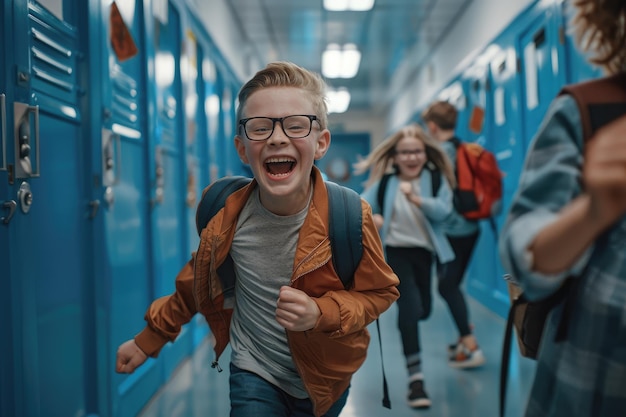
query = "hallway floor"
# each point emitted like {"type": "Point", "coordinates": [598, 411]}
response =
{"type": "Point", "coordinates": [454, 392]}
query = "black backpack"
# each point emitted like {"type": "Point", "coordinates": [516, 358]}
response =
{"type": "Point", "coordinates": [345, 232]}
{"type": "Point", "coordinates": [600, 102]}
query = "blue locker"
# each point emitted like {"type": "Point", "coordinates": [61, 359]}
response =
{"type": "Point", "coordinates": [123, 272]}
{"type": "Point", "coordinates": [167, 165]}
{"type": "Point", "coordinates": [508, 146]}
{"type": "Point", "coordinates": [230, 161]}
{"type": "Point", "coordinates": [541, 64]}
{"type": "Point", "coordinates": [45, 248]}
{"type": "Point", "coordinates": [216, 125]}
{"type": "Point", "coordinates": [197, 85]}
{"type": "Point", "coordinates": [8, 207]}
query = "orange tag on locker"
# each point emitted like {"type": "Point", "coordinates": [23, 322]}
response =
{"type": "Point", "coordinates": [476, 119]}
{"type": "Point", "coordinates": [121, 39]}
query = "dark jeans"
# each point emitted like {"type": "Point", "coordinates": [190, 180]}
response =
{"type": "Point", "coordinates": [450, 276]}
{"type": "Point", "coordinates": [413, 266]}
{"type": "Point", "coordinates": [252, 396]}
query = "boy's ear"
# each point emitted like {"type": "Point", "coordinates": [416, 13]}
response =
{"type": "Point", "coordinates": [241, 149]}
{"type": "Point", "coordinates": [323, 143]}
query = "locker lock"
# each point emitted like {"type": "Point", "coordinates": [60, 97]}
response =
{"type": "Point", "coordinates": [25, 197]}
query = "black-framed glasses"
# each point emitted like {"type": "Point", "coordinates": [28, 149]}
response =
{"type": "Point", "coordinates": [295, 126]}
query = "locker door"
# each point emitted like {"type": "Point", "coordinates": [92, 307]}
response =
{"type": "Point", "coordinates": [198, 87]}
{"type": "Point", "coordinates": [194, 125]}
{"type": "Point", "coordinates": [217, 141]}
{"type": "Point", "coordinates": [124, 272]}
{"type": "Point", "coordinates": [7, 210]}
{"type": "Point", "coordinates": [509, 146]}
{"type": "Point", "coordinates": [47, 239]}
{"type": "Point", "coordinates": [212, 111]}
{"type": "Point", "coordinates": [168, 170]}
{"type": "Point", "coordinates": [542, 78]}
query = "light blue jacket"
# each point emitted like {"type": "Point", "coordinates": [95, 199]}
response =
{"type": "Point", "coordinates": [436, 210]}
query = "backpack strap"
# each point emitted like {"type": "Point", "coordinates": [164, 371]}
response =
{"type": "Point", "coordinates": [346, 242]}
{"type": "Point", "coordinates": [345, 230]}
{"type": "Point", "coordinates": [382, 189]}
{"type": "Point", "coordinates": [600, 101]}
{"type": "Point", "coordinates": [435, 178]}
{"type": "Point", "coordinates": [214, 198]}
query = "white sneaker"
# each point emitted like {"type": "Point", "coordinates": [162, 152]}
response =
{"type": "Point", "coordinates": [465, 358]}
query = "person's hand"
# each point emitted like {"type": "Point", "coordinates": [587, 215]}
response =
{"type": "Point", "coordinates": [295, 310]}
{"type": "Point", "coordinates": [129, 357]}
{"type": "Point", "coordinates": [604, 172]}
{"type": "Point", "coordinates": [406, 188]}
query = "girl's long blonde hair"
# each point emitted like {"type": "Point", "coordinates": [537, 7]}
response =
{"type": "Point", "coordinates": [380, 160]}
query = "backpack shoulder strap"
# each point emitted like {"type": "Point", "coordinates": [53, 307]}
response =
{"type": "Point", "coordinates": [382, 189]}
{"type": "Point", "coordinates": [600, 101]}
{"type": "Point", "coordinates": [214, 198]}
{"type": "Point", "coordinates": [435, 178]}
{"type": "Point", "coordinates": [345, 230]}
{"type": "Point", "coordinates": [346, 241]}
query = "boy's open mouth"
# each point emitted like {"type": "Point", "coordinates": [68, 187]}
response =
{"type": "Point", "coordinates": [279, 166]}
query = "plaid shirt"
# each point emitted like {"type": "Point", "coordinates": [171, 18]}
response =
{"type": "Point", "coordinates": [586, 374]}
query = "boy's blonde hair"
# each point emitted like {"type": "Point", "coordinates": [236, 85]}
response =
{"type": "Point", "coordinates": [441, 113]}
{"type": "Point", "coordinates": [380, 160]}
{"type": "Point", "coordinates": [600, 27]}
{"type": "Point", "coordinates": [287, 74]}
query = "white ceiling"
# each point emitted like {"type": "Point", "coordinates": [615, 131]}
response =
{"type": "Point", "coordinates": [393, 31]}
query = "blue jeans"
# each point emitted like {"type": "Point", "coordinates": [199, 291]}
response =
{"type": "Point", "coordinates": [251, 395]}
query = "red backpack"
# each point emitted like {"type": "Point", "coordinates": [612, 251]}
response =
{"type": "Point", "coordinates": [479, 182]}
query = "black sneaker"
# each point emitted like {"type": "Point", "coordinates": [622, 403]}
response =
{"type": "Point", "coordinates": [417, 396]}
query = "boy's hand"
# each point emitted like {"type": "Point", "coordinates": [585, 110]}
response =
{"type": "Point", "coordinates": [129, 357]}
{"type": "Point", "coordinates": [295, 310]}
{"type": "Point", "coordinates": [604, 172]}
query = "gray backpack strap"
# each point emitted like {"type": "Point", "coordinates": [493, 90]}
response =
{"type": "Point", "coordinates": [214, 198]}
{"type": "Point", "coordinates": [345, 230]}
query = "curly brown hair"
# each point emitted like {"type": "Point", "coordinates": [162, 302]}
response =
{"type": "Point", "coordinates": [600, 28]}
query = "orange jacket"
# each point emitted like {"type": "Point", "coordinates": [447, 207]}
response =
{"type": "Point", "coordinates": [326, 356]}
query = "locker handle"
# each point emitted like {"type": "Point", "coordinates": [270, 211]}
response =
{"type": "Point", "coordinates": [11, 206]}
{"type": "Point", "coordinates": [24, 141]}
{"type": "Point", "coordinates": [111, 157]}
{"type": "Point", "coordinates": [3, 137]}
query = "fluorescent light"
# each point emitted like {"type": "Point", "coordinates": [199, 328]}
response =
{"type": "Point", "coordinates": [355, 5]}
{"type": "Point", "coordinates": [340, 62]}
{"type": "Point", "coordinates": [338, 100]}
{"type": "Point", "coordinates": [350, 61]}
{"type": "Point", "coordinates": [331, 61]}
{"type": "Point", "coordinates": [336, 5]}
